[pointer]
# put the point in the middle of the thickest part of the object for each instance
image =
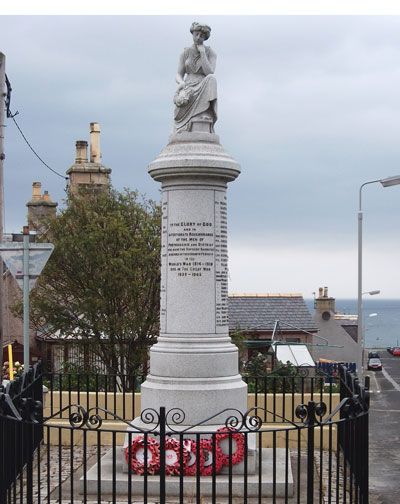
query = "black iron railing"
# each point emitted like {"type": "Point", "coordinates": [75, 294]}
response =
{"type": "Point", "coordinates": [353, 436]}
{"type": "Point", "coordinates": [21, 429]}
{"type": "Point", "coordinates": [120, 394]}
{"type": "Point", "coordinates": [318, 455]}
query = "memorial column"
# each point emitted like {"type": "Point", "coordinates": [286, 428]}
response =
{"type": "Point", "coordinates": [194, 365]}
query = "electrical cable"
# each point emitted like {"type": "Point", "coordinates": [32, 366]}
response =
{"type": "Point", "coordinates": [12, 116]}
{"type": "Point", "coordinates": [36, 154]}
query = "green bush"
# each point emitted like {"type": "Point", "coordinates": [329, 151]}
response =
{"type": "Point", "coordinates": [76, 377]}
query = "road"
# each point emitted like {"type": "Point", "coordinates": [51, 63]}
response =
{"type": "Point", "coordinates": [384, 480]}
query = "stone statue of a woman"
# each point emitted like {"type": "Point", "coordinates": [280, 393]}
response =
{"type": "Point", "coordinates": [196, 96]}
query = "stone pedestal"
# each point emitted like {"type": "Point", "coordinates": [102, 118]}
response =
{"type": "Point", "coordinates": [194, 365]}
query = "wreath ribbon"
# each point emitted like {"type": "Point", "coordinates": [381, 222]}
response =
{"type": "Point", "coordinates": [191, 467]}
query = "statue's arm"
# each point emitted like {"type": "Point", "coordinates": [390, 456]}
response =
{"type": "Point", "coordinates": [207, 63]}
{"type": "Point", "coordinates": [181, 72]}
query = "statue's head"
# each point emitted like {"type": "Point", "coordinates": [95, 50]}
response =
{"type": "Point", "coordinates": [203, 28]}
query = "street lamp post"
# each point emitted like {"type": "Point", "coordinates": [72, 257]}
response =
{"type": "Point", "coordinates": [371, 293]}
{"type": "Point", "coordinates": [387, 182]}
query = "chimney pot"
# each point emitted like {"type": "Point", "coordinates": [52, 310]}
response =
{"type": "Point", "coordinates": [36, 191]}
{"type": "Point", "coordinates": [95, 155]}
{"type": "Point", "coordinates": [46, 196]}
{"type": "Point", "coordinates": [81, 152]}
{"type": "Point", "coordinates": [320, 292]}
{"type": "Point", "coordinates": [325, 291]}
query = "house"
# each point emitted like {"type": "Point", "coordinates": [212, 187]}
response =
{"type": "Point", "coordinates": [40, 207]}
{"type": "Point", "coordinates": [264, 318]}
{"type": "Point", "coordinates": [90, 175]}
{"type": "Point", "coordinates": [339, 331]}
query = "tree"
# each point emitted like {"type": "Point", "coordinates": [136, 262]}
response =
{"type": "Point", "coordinates": [101, 285]}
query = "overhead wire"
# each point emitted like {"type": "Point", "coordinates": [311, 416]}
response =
{"type": "Point", "coordinates": [12, 116]}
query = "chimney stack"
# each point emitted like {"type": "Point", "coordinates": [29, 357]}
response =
{"type": "Point", "coordinates": [81, 152]}
{"type": "Point", "coordinates": [323, 303]}
{"type": "Point", "coordinates": [40, 208]}
{"type": "Point", "coordinates": [89, 175]}
{"type": "Point", "coordinates": [95, 155]}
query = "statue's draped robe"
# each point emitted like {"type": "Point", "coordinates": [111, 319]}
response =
{"type": "Point", "coordinates": [203, 87]}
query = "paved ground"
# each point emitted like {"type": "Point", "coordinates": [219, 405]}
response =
{"type": "Point", "coordinates": [385, 431]}
{"type": "Point", "coordinates": [47, 478]}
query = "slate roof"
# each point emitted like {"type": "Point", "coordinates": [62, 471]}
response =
{"type": "Point", "coordinates": [350, 325]}
{"type": "Point", "coordinates": [260, 311]}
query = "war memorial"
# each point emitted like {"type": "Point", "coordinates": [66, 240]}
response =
{"type": "Point", "coordinates": [194, 365]}
{"type": "Point", "coordinates": [199, 435]}
{"type": "Point", "coordinates": [194, 371]}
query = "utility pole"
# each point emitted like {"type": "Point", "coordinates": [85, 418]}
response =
{"type": "Point", "coordinates": [25, 289]}
{"type": "Point", "coordinates": [2, 157]}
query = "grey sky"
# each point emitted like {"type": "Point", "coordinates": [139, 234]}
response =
{"type": "Point", "coordinates": [308, 105]}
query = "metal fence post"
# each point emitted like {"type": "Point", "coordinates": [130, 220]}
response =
{"type": "Point", "coordinates": [310, 451]}
{"type": "Point", "coordinates": [162, 455]}
{"type": "Point", "coordinates": [2, 457]}
{"type": "Point", "coordinates": [365, 444]}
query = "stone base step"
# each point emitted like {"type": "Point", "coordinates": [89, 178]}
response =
{"type": "Point", "coordinates": [172, 483]}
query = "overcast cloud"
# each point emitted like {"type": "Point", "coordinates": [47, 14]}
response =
{"type": "Point", "coordinates": [308, 105]}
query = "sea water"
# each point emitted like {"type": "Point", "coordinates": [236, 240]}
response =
{"type": "Point", "coordinates": [381, 319]}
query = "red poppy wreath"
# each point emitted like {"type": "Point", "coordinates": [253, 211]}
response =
{"type": "Point", "coordinates": [191, 467]}
{"type": "Point", "coordinates": [237, 451]}
{"type": "Point", "coordinates": [206, 469]}
{"type": "Point", "coordinates": [172, 457]}
{"type": "Point", "coordinates": [137, 455]}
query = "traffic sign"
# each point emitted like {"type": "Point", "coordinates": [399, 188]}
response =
{"type": "Point", "coordinates": [13, 255]}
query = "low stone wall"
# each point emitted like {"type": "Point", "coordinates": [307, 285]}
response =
{"type": "Point", "coordinates": [280, 406]}
{"type": "Point", "coordinates": [277, 406]}
{"type": "Point", "coordinates": [56, 431]}
{"type": "Point", "coordinates": [121, 405]}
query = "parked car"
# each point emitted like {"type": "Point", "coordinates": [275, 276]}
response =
{"type": "Point", "coordinates": [396, 351]}
{"type": "Point", "coordinates": [389, 349]}
{"type": "Point", "coordinates": [373, 355]}
{"type": "Point", "coordinates": [375, 363]}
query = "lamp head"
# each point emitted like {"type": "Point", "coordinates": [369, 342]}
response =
{"type": "Point", "coordinates": [390, 181]}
